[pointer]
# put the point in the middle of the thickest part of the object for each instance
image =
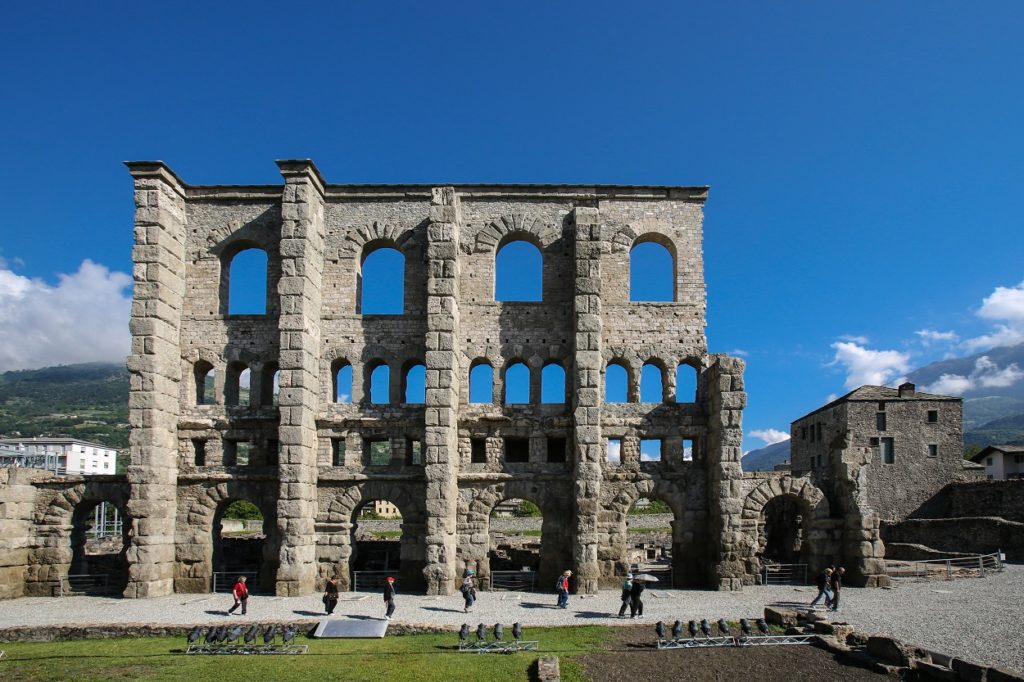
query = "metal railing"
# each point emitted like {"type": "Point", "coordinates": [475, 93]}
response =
{"type": "Point", "coordinates": [371, 581]}
{"type": "Point", "coordinates": [83, 583]}
{"type": "Point", "coordinates": [513, 581]}
{"type": "Point", "coordinates": [972, 566]}
{"type": "Point", "coordinates": [784, 574]}
{"type": "Point", "coordinates": [224, 581]}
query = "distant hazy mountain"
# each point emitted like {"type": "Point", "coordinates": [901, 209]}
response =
{"type": "Point", "coordinates": [1002, 357]}
{"type": "Point", "coordinates": [765, 459]}
{"type": "Point", "coordinates": [87, 401]}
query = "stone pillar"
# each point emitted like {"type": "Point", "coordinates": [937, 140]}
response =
{"type": "Point", "coordinates": [861, 546]}
{"type": "Point", "coordinates": [441, 459]}
{"type": "Point", "coordinates": [723, 397]}
{"type": "Point", "coordinates": [155, 369]}
{"type": "Point", "coordinates": [302, 259]}
{"type": "Point", "coordinates": [588, 445]}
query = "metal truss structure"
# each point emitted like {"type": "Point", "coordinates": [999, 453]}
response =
{"type": "Point", "coordinates": [762, 640]}
{"type": "Point", "coordinates": [497, 646]}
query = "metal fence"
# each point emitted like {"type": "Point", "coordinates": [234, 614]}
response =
{"type": "Point", "coordinates": [371, 581]}
{"type": "Point", "coordinates": [972, 566]}
{"type": "Point", "coordinates": [784, 574]}
{"type": "Point", "coordinates": [83, 583]}
{"type": "Point", "coordinates": [515, 581]}
{"type": "Point", "coordinates": [224, 581]}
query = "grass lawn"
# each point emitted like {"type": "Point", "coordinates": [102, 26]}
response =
{"type": "Point", "coordinates": [419, 658]}
{"type": "Point", "coordinates": [385, 534]}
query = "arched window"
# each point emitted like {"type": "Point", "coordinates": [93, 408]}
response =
{"type": "Point", "coordinates": [518, 272]}
{"type": "Point", "coordinates": [271, 384]}
{"type": "Point", "coordinates": [616, 384]}
{"type": "Point", "coordinates": [247, 283]}
{"type": "Point", "coordinates": [652, 273]}
{"type": "Point", "coordinates": [481, 383]}
{"type": "Point", "coordinates": [552, 384]}
{"type": "Point", "coordinates": [651, 387]}
{"type": "Point", "coordinates": [206, 380]}
{"type": "Point", "coordinates": [686, 383]}
{"type": "Point", "coordinates": [342, 382]}
{"type": "Point", "coordinates": [380, 385]}
{"type": "Point", "coordinates": [233, 389]}
{"type": "Point", "coordinates": [381, 282]}
{"type": "Point", "coordinates": [415, 384]}
{"type": "Point", "coordinates": [517, 384]}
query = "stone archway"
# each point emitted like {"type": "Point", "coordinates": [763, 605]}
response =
{"type": "Point", "coordinates": [336, 550]}
{"type": "Point", "coordinates": [199, 521]}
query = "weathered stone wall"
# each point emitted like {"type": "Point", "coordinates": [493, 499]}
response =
{"type": "Point", "coordinates": [1003, 499]}
{"type": "Point", "coordinates": [964, 534]}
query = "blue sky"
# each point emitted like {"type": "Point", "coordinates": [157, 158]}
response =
{"type": "Point", "coordinates": [865, 159]}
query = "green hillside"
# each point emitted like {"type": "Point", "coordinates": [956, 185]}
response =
{"type": "Point", "coordinates": [87, 401]}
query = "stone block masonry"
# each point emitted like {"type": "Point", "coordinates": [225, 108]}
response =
{"type": "Point", "coordinates": [311, 444]}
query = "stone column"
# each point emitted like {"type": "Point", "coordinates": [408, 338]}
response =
{"type": "Point", "coordinates": [441, 460]}
{"type": "Point", "coordinates": [302, 260]}
{"type": "Point", "coordinates": [155, 369]}
{"type": "Point", "coordinates": [588, 445]}
{"type": "Point", "coordinates": [721, 390]}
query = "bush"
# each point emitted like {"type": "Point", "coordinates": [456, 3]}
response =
{"type": "Point", "coordinates": [243, 510]}
{"type": "Point", "coordinates": [653, 507]}
{"type": "Point", "coordinates": [527, 509]}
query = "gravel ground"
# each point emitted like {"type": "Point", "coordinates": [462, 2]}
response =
{"type": "Point", "coordinates": [976, 619]}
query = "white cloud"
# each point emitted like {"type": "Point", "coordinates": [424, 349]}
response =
{"type": "Point", "coordinates": [854, 338]}
{"type": "Point", "coordinates": [83, 318]}
{"type": "Point", "coordinates": [614, 451]}
{"type": "Point", "coordinates": [1005, 307]}
{"type": "Point", "coordinates": [867, 366]}
{"type": "Point", "coordinates": [930, 336]}
{"type": "Point", "coordinates": [738, 352]}
{"type": "Point", "coordinates": [769, 436]}
{"type": "Point", "coordinates": [986, 374]}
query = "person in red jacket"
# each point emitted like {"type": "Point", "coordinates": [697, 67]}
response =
{"type": "Point", "coordinates": [241, 595]}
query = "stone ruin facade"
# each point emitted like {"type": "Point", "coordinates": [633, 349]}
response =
{"type": "Point", "coordinates": [311, 463]}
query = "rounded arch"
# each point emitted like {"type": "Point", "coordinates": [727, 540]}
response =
{"type": "Point", "coordinates": [519, 268]}
{"type": "Point", "coordinates": [204, 379]}
{"type": "Point", "coordinates": [481, 381]}
{"type": "Point", "coordinates": [617, 381]}
{"type": "Point", "coordinates": [806, 493]}
{"type": "Point", "coordinates": [516, 382]}
{"type": "Point", "coordinates": [341, 381]}
{"type": "Point", "coordinates": [652, 381]}
{"type": "Point", "coordinates": [652, 269]}
{"type": "Point", "coordinates": [380, 279]}
{"type": "Point", "coordinates": [245, 278]}
{"type": "Point", "coordinates": [237, 377]}
{"type": "Point", "coordinates": [377, 380]}
{"type": "Point", "coordinates": [414, 382]}
{"type": "Point", "coordinates": [687, 381]}
{"type": "Point", "coordinates": [552, 383]}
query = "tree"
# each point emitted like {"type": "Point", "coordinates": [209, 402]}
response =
{"type": "Point", "coordinates": [243, 510]}
{"type": "Point", "coordinates": [527, 509]}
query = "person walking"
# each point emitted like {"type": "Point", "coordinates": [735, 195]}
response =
{"type": "Point", "coordinates": [636, 604]}
{"type": "Point", "coordinates": [562, 585]}
{"type": "Point", "coordinates": [389, 597]}
{"type": "Point", "coordinates": [627, 594]}
{"type": "Point", "coordinates": [331, 595]}
{"type": "Point", "coordinates": [468, 589]}
{"type": "Point", "coordinates": [837, 585]}
{"type": "Point", "coordinates": [823, 581]}
{"type": "Point", "coordinates": [241, 594]}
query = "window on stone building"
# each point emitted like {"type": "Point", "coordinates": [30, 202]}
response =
{"type": "Point", "coordinates": [803, 433]}
{"type": "Point", "coordinates": [199, 452]}
{"type": "Point", "coordinates": [271, 384]}
{"type": "Point", "coordinates": [377, 451]}
{"type": "Point", "coordinates": [338, 452]}
{"type": "Point", "coordinates": [517, 384]}
{"type": "Point", "coordinates": [650, 450]}
{"type": "Point", "coordinates": [881, 406]}
{"type": "Point", "coordinates": [517, 450]}
{"type": "Point", "coordinates": [616, 383]}
{"type": "Point", "coordinates": [552, 384]}
{"type": "Point", "coordinates": [518, 272]}
{"type": "Point", "coordinates": [873, 442]}
{"type": "Point", "coordinates": [237, 452]}
{"type": "Point", "coordinates": [342, 381]}
{"type": "Point", "coordinates": [880, 421]}
{"type": "Point", "coordinates": [988, 461]}
{"type": "Point", "coordinates": [236, 374]}
{"type": "Point", "coordinates": [478, 451]}
{"type": "Point", "coordinates": [380, 384]}
{"type": "Point", "coordinates": [819, 430]}
{"type": "Point", "coordinates": [614, 451]}
{"type": "Point", "coordinates": [415, 385]}
{"type": "Point", "coordinates": [413, 452]}
{"type": "Point", "coordinates": [933, 450]}
{"type": "Point", "coordinates": [481, 384]}
{"type": "Point", "coordinates": [933, 416]}
{"type": "Point", "coordinates": [689, 448]}
{"type": "Point", "coordinates": [556, 450]}
{"type": "Point", "coordinates": [888, 451]}
{"type": "Point", "coordinates": [206, 383]}
{"type": "Point", "coordinates": [651, 387]}
{"type": "Point", "coordinates": [381, 282]}
{"type": "Point", "coordinates": [247, 283]}
{"type": "Point", "coordinates": [652, 275]}
{"type": "Point", "coordinates": [686, 383]}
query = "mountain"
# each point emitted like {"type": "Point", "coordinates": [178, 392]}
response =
{"type": "Point", "coordinates": [1007, 430]}
{"type": "Point", "coordinates": [765, 459]}
{"type": "Point", "coordinates": [87, 401]}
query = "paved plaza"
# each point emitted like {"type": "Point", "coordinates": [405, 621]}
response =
{"type": "Point", "coordinates": [976, 619]}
